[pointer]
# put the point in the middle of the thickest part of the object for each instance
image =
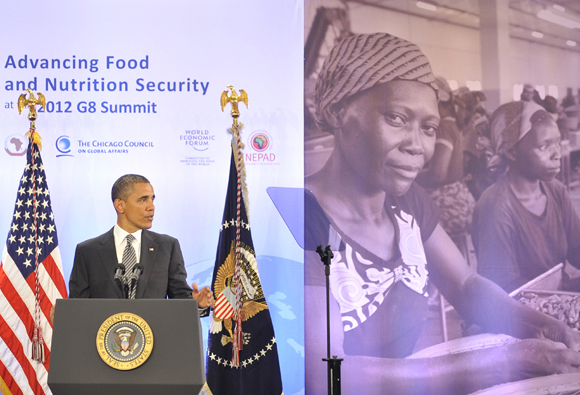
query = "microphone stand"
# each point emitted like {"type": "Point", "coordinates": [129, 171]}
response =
{"type": "Point", "coordinates": [134, 278]}
{"type": "Point", "coordinates": [119, 272]}
{"type": "Point", "coordinates": [326, 256]}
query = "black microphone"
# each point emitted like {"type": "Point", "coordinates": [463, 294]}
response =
{"type": "Point", "coordinates": [119, 272]}
{"type": "Point", "coordinates": [133, 278]}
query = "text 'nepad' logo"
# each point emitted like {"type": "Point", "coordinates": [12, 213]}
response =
{"type": "Point", "coordinates": [260, 141]}
{"type": "Point", "coordinates": [16, 145]}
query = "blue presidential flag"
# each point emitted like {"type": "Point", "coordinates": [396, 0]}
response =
{"type": "Point", "coordinates": [242, 355]}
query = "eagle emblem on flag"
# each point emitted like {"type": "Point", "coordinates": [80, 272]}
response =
{"type": "Point", "coordinates": [253, 300]}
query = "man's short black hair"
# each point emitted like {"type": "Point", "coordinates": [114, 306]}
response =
{"type": "Point", "coordinates": [123, 187]}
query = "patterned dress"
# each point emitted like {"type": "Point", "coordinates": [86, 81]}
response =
{"type": "Point", "coordinates": [383, 304]}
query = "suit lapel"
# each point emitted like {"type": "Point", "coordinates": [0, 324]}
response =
{"type": "Point", "coordinates": [148, 254]}
{"type": "Point", "coordinates": [108, 255]}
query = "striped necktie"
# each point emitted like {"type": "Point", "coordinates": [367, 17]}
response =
{"type": "Point", "coordinates": [129, 261]}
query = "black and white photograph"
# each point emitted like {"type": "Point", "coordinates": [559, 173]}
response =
{"type": "Point", "coordinates": [440, 145]}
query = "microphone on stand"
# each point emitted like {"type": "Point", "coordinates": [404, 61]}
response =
{"type": "Point", "coordinates": [119, 273]}
{"type": "Point", "coordinates": [133, 278]}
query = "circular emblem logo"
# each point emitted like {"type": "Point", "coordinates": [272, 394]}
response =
{"type": "Point", "coordinates": [63, 144]}
{"type": "Point", "coordinates": [124, 341]}
{"type": "Point", "coordinates": [16, 145]}
{"type": "Point", "coordinates": [260, 141]}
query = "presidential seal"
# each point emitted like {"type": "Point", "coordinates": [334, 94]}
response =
{"type": "Point", "coordinates": [124, 341]}
{"type": "Point", "coordinates": [253, 300]}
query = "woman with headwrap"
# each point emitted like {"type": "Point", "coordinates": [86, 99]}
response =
{"type": "Point", "coordinates": [376, 94]}
{"type": "Point", "coordinates": [524, 224]}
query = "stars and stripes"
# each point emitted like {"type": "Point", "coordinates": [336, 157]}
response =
{"type": "Point", "coordinates": [224, 304]}
{"type": "Point", "coordinates": [31, 279]}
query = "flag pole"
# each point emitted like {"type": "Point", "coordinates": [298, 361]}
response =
{"type": "Point", "coordinates": [236, 128]}
{"type": "Point", "coordinates": [35, 146]}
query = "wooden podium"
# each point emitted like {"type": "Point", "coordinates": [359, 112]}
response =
{"type": "Point", "coordinates": [175, 364]}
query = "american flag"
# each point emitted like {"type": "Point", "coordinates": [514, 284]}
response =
{"type": "Point", "coordinates": [25, 303]}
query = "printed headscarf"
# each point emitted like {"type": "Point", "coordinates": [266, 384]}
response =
{"type": "Point", "coordinates": [509, 124]}
{"type": "Point", "coordinates": [362, 61]}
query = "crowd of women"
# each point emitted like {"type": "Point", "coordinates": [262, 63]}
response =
{"type": "Point", "coordinates": [395, 192]}
{"type": "Point", "coordinates": [523, 223]}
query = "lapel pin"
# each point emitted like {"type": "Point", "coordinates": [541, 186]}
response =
{"type": "Point", "coordinates": [151, 249]}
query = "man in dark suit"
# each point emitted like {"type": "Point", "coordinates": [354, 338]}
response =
{"type": "Point", "coordinates": [96, 260]}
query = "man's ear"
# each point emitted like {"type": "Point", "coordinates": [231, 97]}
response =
{"type": "Point", "coordinates": [119, 205]}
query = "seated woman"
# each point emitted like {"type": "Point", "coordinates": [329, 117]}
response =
{"type": "Point", "coordinates": [477, 176]}
{"type": "Point", "coordinates": [444, 178]}
{"type": "Point", "coordinates": [376, 94]}
{"type": "Point", "coordinates": [524, 224]}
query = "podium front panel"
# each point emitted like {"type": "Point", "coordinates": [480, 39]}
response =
{"type": "Point", "coordinates": [175, 366]}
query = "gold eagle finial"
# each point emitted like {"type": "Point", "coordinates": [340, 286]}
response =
{"type": "Point", "coordinates": [31, 102]}
{"type": "Point", "coordinates": [234, 98]}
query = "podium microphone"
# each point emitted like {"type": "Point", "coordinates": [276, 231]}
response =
{"type": "Point", "coordinates": [134, 277]}
{"type": "Point", "coordinates": [119, 272]}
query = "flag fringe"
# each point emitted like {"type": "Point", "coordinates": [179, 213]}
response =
{"type": "Point", "coordinates": [205, 390]}
{"type": "Point", "coordinates": [242, 188]}
{"type": "Point", "coordinates": [37, 345]}
{"type": "Point", "coordinates": [37, 340]}
{"type": "Point", "coordinates": [240, 178]}
{"type": "Point", "coordinates": [34, 136]}
{"type": "Point", "coordinates": [235, 147]}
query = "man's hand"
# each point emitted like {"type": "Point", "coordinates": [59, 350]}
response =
{"type": "Point", "coordinates": [204, 296]}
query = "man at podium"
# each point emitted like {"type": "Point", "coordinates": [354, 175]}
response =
{"type": "Point", "coordinates": [130, 261]}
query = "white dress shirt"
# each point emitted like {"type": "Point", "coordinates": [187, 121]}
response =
{"type": "Point", "coordinates": [121, 241]}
